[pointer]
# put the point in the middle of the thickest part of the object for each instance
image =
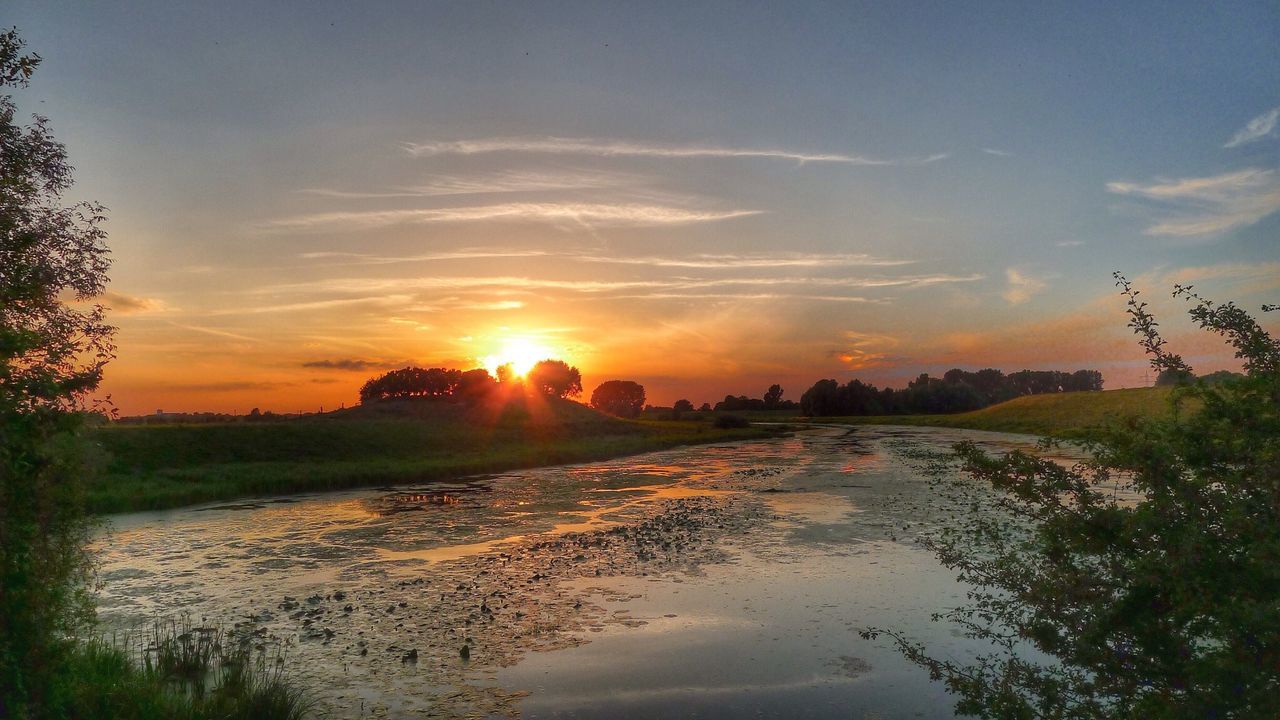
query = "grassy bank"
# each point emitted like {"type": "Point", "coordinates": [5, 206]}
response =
{"type": "Point", "coordinates": [161, 466]}
{"type": "Point", "coordinates": [178, 672]}
{"type": "Point", "coordinates": [1066, 415]}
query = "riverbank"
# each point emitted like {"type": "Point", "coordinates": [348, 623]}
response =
{"type": "Point", "coordinates": [1072, 415]}
{"type": "Point", "coordinates": [152, 467]}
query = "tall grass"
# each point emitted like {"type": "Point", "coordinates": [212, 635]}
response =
{"type": "Point", "coordinates": [179, 671]}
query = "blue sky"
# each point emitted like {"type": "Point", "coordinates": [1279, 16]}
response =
{"type": "Point", "coordinates": [703, 198]}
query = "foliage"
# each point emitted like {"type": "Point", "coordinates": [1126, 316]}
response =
{"type": "Point", "coordinates": [1149, 575]}
{"type": "Point", "coordinates": [1174, 376]}
{"type": "Point", "coordinates": [554, 378]}
{"type": "Point", "coordinates": [51, 356]}
{"type": "Point", "coordinates": [772, 397]}
{"type": "Point", "coordinates": [683, 406]}
{"type": "Point", "coordinates": [409, 382]}
{"type": "Point", "coordinates": [956, 391]}
{"type": "Point", "coordinates": [731, 421]}
{"type": "Point", "coordinates": [623, 398]}
{"type": "Point", "coordinates": [180, 671]}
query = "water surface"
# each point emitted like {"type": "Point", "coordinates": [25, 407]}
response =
{"type": "Point", "coordinates": [711, 581]}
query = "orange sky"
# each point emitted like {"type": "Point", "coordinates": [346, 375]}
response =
{"type": "Point", "coordinates": [703, 198]}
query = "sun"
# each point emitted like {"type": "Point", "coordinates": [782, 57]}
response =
{"type": "Point", "coordinates": [520, 353]}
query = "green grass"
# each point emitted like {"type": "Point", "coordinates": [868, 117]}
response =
{"type": "Point", "coordinates": [178, 672]}
{"type": "Point", "coordinates": [163, 466]}
{"type": "Point", "coordinates": [1066, 415]}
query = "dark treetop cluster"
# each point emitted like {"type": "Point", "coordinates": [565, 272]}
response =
{"type": "Point", "coordinates": [554, 378]}
{"type": "Point", "coordinates": [956, 391]}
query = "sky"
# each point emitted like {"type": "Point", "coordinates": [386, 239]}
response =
{"type": "Point", "coordinates": [706, 198]}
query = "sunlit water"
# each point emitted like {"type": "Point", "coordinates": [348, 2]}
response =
{"type": "Point", "coordinates": [713, 581]}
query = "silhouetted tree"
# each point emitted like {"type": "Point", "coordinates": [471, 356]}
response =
{"type": "Point", "coordinates": [52, 353]}
{"type": "Point", "coordinates": [683, 406]}
{"type": "Point", "coordinates": [772, 397]}
{"type": "Point", "coordinates": [1174, 376]}
{"type": "Point", "coordinates": [704, 407]}
{"type": "Point", "coordinates": [623, 398]}
{"type": "Point", "coordinates": [476, 383]}
{"type": "Point", "coordinates": [555, 378]}
{"type": "Point", "coordinates": [412, 382]}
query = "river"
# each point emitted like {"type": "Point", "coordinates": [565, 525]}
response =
{"type": "Point", "coordinates": [710, 581]}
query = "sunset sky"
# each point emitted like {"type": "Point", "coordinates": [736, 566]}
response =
{"type": "Point", "coordinates": [705, 198]}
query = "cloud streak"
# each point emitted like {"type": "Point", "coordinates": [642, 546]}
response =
{"type": "Point", "coordinates": [1207, 205]}
{"type": "Point", "coordinates": [585, 214]}
{"type": "Point", "coordinates": [406, 284]}
{"type": "Point", "coordinates": [130, 305]}
{"type": "Point", "coordinates": [707, 261]}
{"type": "Point", "coordinates": [622, 148]}
{"type": "Point", "coordinates": [349, 364]}
{"type": "Point", "coordinates": [505, 182]}
{"type": "Point", "coordinates": [1256, 129]}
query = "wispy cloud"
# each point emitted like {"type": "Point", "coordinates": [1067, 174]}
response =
{"type": "Point", "coordinates": [1069, 243]}
{"type": "Point", "coordinates": [131, 305]}
{"type": "Point", "coordinates": [351, 364]}
{"type": "Point", "coordinates": [315, 305]}
{"type": "Point", "coordinates": [350, 258]}
{"type": "Point", "coordinates": [997, 153]}
{"type": "Point", "coordinates": [504, 182]}
{"type": "Point", "coordinates": [750, 296]}
{"type": "Point", "coordinates": [696, 261]}
{"type": "Point", "coordinates": [751, 260]}
{"type": "Point", "coordinates": [217, 332]}
{"type": "Point", "coordinates": [1022, 286]}
{"type": "Point", "coordinates": [406, 284]}
{"type": "Point", "coordinates": [1244, 278]}
{"type": "Point", "coordinates": [586, 214]}
{"type": "Point", "coordinates": [1208, 205]}
{"type": "Point", "coordinates": [616, 148]}
{"type": "Point", "coordinates": [1256, 129]}
{"type": "Point", "coordinates": [865, 350]}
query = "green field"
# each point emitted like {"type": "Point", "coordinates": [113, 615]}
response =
{"type": "Point", "coordinates": [160, 466]}
{"type": "Point", "coordinates": [1066, 415]}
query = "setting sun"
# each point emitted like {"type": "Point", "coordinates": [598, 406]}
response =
{"type": "Point", "coordinates": [520, 353]}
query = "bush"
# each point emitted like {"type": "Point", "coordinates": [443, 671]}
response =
{"type": "Point", "coordinates": [1148, 575]}
{"type": "Point", "coordinates": [726, 422]}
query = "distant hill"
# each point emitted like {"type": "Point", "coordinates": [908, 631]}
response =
{"type": "Point", "coordinates": [1068, 415]}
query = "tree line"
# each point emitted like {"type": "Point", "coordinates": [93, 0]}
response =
{"type": "Point", "coordinates": [956, 391]}
{"type": "Point", "coordinates": [553, 378]}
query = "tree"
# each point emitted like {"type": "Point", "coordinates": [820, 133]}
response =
{"type": "Point", "coordinates": [623, 398]}
{"type": "Point", "coordinates": [555, 378]}
{"type": "Point", "coordinates": [1166, 605]}
{"type": "Point", "coordinates": [477, 383]}
{"type": "Point", "coordinates": [683, 406]}
{"type": "Point", "coordinates": [52, 353]}
{"type": "Point", "coordinates": [1174, 376]}
{"type": "Point", "coordinates": [412, 382]}
{"type": "Point", "coordinates": [704, 407]}
{"type": "Point", "coordinates": [772, 397]}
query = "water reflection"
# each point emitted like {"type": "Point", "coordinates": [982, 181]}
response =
{"type": "Point", "coordinates": [740, 571]}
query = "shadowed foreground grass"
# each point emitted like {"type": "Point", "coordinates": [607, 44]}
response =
{"type": "Point", "coordinates": [1066, 415]}
{"type": "Point", "coordinates": [162, 466]}
{"type": "Point", "coordinates": [179, 672]}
